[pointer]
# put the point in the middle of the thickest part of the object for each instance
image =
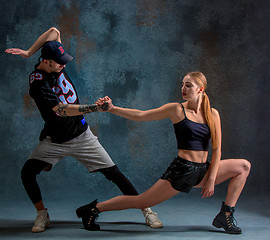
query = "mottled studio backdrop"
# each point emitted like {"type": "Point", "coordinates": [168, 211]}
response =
{"type": "Point", "coordinates": [137, 52]}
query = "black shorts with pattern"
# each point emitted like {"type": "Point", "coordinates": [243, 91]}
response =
{"type": "Point", "coordinates": [184, 174]}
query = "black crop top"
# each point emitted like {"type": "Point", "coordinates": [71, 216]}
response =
{"type": "Point", "coordinates": [191, 135]}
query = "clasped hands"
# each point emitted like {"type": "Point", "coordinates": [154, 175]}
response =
{"type": "Point", "coordinates": [104, 104]}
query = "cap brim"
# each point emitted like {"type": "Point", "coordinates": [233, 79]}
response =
{"type": "Point", "coordinates": [64, 59]}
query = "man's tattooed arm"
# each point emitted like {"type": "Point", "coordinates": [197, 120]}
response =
{"type": "Point", "coordinates": [88, 108]}
{"type": "Point", "coordinates": [65, 110]}
{"type": "Point", "coordinates": [60, 109]}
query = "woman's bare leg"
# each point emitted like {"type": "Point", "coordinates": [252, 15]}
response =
{"type": "Point", "coordinates": [159, 192]}
{"type": "Point", "coordinates": [238, 171]}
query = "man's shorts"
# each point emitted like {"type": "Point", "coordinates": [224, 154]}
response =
{"type": "Point", "coordinates": [184, 174]}
{"type": "Point", "coordinates": [85, 148]}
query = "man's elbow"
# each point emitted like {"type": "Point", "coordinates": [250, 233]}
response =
{"type": "Point", "coordinates": [60, 109]}
{"type": "Point", "coordinates": [60, 113]}
{"type": "Point", "coordinates": [54, 30]}
{"type": "Point", "coordinates": [54, 34]}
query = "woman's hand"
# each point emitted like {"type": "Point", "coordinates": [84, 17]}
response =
{"type": "Point", "coordinates": [208, 188]}
{"type": "Point", "coordinates": [18, 51]}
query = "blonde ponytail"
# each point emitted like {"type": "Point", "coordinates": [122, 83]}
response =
{"type": "Point", "coordinates": [209, 119]}
{"type": "Point", "coordinates": [200, 79]}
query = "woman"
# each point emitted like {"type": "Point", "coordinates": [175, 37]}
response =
{"type": "Point", "coordinates": [195, 122]}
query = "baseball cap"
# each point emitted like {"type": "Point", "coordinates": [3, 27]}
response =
{"type": "Point", "coordinates": [54, 50]}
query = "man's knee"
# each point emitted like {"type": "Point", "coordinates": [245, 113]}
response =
{"type": "Point", "coordinates": [33, 167]}
{"type": "Point", "coordinates": [111, 172]}
{"type": "Point", "coordinates": [117, 177]}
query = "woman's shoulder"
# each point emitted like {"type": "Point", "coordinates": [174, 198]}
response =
{"type": "Point", "coordinates": [176, 111]}
{"type": "Point", "coordinates": [215, 113]}
{"type": "Point", "coordinates": [176, 104]}
{"type": "Point", "coordinates": [173, 105]}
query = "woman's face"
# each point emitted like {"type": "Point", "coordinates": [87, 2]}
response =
{"type": "Point", "coordinates": [190, 90]}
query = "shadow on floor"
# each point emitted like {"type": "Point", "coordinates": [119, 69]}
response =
{"type": "Point", "coordinates": [13, 227]}
{"type": "Point", "coordinates": [122, 228]}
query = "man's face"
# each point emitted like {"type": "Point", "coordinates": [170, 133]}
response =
{"type": "Point", "coordinates": [53, 66]}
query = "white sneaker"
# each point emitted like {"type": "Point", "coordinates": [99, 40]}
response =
{"type": "Point", "coordinates": [42, 221]}
{"type": "Point", "coordinates": [151, 219]}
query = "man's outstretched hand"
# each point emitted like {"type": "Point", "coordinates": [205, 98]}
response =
{"type": "Point", "coordinates": [18, 51]}
{"type": "Point", "coordinates": [104, 104]}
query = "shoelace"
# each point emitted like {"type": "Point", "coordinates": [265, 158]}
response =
{"type": "Point", "coordinates": [39, 219]}
{"type": "Point", "coordinates": [231, 221]}
{"type": "Point", "coordinates": [92, 218]}
{"type": "Point", "coordinates": [90, 221]}
{"type": "Point", "coordinates": [149, 215]}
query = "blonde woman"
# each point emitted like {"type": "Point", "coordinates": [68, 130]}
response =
{"type": "Point", "coordinates": [195, 123]}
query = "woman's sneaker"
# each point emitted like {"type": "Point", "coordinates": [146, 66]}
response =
{"type": "Point", "coordinates": [42, 221]}
{"type": "Point", "coordinates": [89, 213]}
{"type": "Point", "coordinates": [151, 219]}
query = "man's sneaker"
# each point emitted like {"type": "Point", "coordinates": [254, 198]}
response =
{"type": "Point", "coordinates": [89, 213]}
{"type": "Point", "coordinates": [42, 221]}
{"type": "Point", "coordinates": [151, 219]}
{"type": "Point", "coordinates": [226, 220]}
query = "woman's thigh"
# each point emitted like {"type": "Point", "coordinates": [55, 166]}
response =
{"type": "Point", "coordinates": [228, 168]}
{"type": "Point", "coordinates": [159, 192]}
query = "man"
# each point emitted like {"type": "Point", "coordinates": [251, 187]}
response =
{"type": "Point", "coordinates": [66, 132]}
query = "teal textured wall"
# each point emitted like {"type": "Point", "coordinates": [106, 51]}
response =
{"type": "Point", "coordinates": [137, 52]}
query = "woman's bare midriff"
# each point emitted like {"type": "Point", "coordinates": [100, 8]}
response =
{"type": "Point", "coordinates": [193, 156]}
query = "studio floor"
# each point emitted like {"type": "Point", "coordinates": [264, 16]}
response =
{"type": "Point", "coordinates": [183, 218]}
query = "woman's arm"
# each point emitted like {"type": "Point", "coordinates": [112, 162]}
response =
{"type": "Point", "coordinates": [216, 153]}
{"type": "Point", "coordinates": [208, 188]}
{"type": "Point", "coordinates": [51, 35]}
{"type": "Point", "coordinates": [165, 111]}
{"type": "Point", "coordinates": [149, 115]}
